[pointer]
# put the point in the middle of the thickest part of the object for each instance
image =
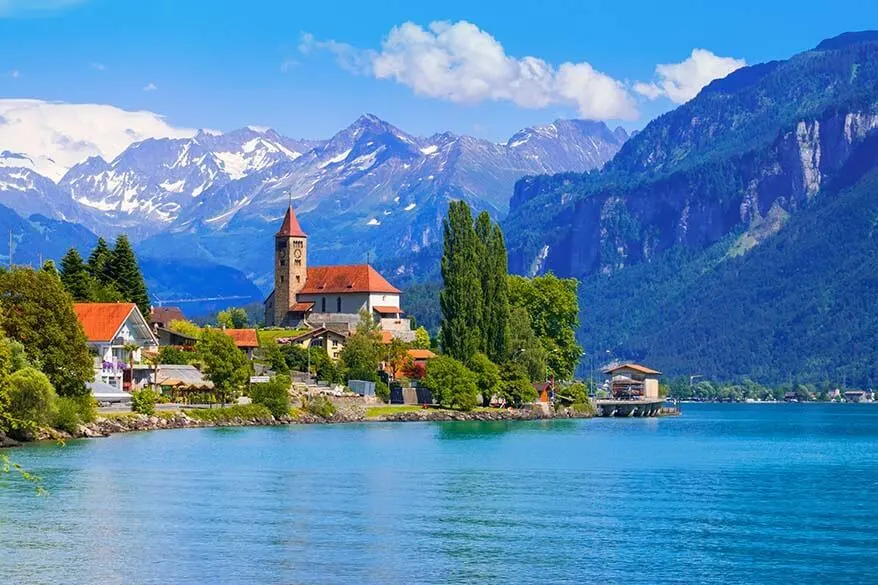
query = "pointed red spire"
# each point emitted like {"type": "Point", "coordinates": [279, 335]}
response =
{"type": "Point", "coordinates": [290, 226]}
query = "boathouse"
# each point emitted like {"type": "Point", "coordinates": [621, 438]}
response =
{"type": "Point", "coordinates": [633, 382]}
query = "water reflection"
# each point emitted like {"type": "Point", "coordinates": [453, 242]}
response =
{"type": "Point", "coordinates": [477, 430]}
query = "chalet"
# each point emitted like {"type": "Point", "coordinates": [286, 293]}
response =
{"type": "Point", "coordinates": [327, 296]}
{"type": "Point", "coordinates": [329, 339]}
{"type": "Point", "coordinates": [117, 335]}
{"type": "Point", "coordinates": [633, 382]}
{"type": "Point", "coordinates": [162, 316]}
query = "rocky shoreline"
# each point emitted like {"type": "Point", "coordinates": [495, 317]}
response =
{"type": "Point", "coordinates": [131, 422]}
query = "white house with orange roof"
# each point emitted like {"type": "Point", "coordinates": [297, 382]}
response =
{"type": "Point", "coordinates": [320, 296]}
{"type": "Point", "coordinates": [117, 334]}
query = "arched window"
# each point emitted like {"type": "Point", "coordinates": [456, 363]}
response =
{"type": "Point", "coordinates": [338, 305]}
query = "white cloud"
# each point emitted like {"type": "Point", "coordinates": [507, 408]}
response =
{"type": "Point", "coordinates": [461, 63]}
{"type": "Point", "coordinates": [680, 82]}
{"type": "Point", "coordinates": [25, 8]}
{"type": "Point", "coordinates": [98, 66]}
{"type": "Point", "coordinates": [59, 135]}
{"type": "Point", "coordinates": [288, 64]}
{"type": "Point", "coordinates": [150, 87]}
{"type": "Point", "coordinates": [15, 74]}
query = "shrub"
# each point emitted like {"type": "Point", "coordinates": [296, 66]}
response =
{"type": "Point", "coordinates": [382, 391]}
{"type": "Point", "coordinates": [86, 408]}
{"type": "Point", "coordinates": [143, 402]}
{"type": "Point", "coordinates": [228, 414]}
{"type": "Point", "coordinates": [274, 395]}
{"type": "Point", "coordinates": [584, 407]}
{"type": "Point", "coordinates": [30, 400]}
{"type": "Point", "coordinates": [318, 406]}
{"type": "Point", "coordinates": [66, 417]}
{"type": "Point", "coordinates": [515, 385]}
{"type": "Point", "coordinates": [577, 393]}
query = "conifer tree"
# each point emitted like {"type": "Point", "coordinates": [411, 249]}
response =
{"type": "Point", "coordinates": [126, 275]}
{"type": "Point", "coordinates": [75, 276]}
{"type": "Point", "coordinates": [461, 298]}
{"type": "Point", "coordinates": [99, 261]}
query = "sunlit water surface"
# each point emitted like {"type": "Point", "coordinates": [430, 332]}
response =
{"type": "Point", "coordinates": [724, 494]}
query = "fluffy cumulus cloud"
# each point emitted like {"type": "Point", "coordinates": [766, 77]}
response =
{"type": "Point", "coordinates": [680, 82]}
{"type": "Point", "coordinates": [56, 136]}
{"type": "Point", "coordinates": [461, 63]}
{"type": "Point", "coordinates": [150, 87]}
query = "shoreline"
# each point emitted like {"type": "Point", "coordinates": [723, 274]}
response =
{"type": "Point", "coordinates": [125, 422]}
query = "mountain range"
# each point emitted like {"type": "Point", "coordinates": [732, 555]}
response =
{"type": "Point", "coordinates": [370, 192]}
{"type": "Point", "coordinates": [734, 235]}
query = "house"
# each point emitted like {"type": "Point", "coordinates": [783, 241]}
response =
{"type": "Point", "coordinates": [162, 316]}
{"type": "Point", "coordinates": [169, 337]}
{"type": "Point", "coordinates": [329, 339]}
{"type": "Point", "coordinates": [855, 396]}
{"type": "Point", "coordinates": [117, 334]}
{"type": "Point", "coordinates": [245, 339]}
{"type": "Point", "coordinates": [632, 381]}
{"type": "Point", "coordinates": [545, 391]}
{"type": "Point", "coordinates": [327, 296]}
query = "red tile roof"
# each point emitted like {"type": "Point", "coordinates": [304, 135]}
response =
{"type": "Point", "coordinates": [346, 279]}
{"type": "Point", "coordinates": [386, 337]}
{"type": "Point", "coordinates": [635, 367]}
{"type": "Point", "coordinates": [101, 321]}
{"type": "Point", "coordinates": [384, 310]}
{"type": "Point", "coordinates": [290, 227]}
{"type": "Point", "coordinates": [243, 337]}
{"type": "Point", "coordinates": [302, 307]}
{"type": "Point", "coordinates": [166, 314]}
{"type": "Point", "coordinates": [421, 354]}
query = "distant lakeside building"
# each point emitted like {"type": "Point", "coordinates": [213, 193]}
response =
{"type": "Point", "coordinates": [327, 296]}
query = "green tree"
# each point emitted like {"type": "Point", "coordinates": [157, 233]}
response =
{"type": "Point", "coordinates": [452, 384]}
{"type": "Point", "coordinates": [461, 296]}
{"type": "Point", "coordinates": [224, 364]}
{"type": "Point", "coordinates": [99, 263]}
{"type": "Point", "coordinates": [49, 267]}
{"type": "Point", "coordinates": [515, 386]}
{"type": "Point", "coordinates": [496, 291]}
{"type": "Point", "coordinates": [422, 338]}
{"type": "Point", "coordinates": [525, 348]}
{"type": "Point", "coordinates": [75, 276]}
{"type": "Point", "coordinates": [232, 318]}
{"type": "Point", "coordinates": [361, 355]}
{"type": "Point", "coordinates": [554, 312]}
{"type": "Point", "coordinates": [396, 356]}
{"type": "Point", "coordinates": [30, 400]}
{"type": "Point", "coordinates": [39, 314]}
{"type": "Point", "coordinates": [170, 355]}
{"type": "Point", "coordinates": [126, 274]}
{"type": "Point", "coordinates": [186, 328]}
{"type": "Point", "coordinates": [487, 376]}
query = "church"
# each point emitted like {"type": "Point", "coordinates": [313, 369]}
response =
{"type": "Point", "coordinates": [327, 296]}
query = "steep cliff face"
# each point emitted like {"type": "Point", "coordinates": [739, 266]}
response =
{"type": "Point", "coordinates": [755, 146]}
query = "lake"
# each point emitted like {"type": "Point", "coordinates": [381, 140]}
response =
{"type": "Point", "coordinates": [724, 494]}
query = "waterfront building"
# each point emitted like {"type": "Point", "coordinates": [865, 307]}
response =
{"type": "Point", "coordinates": [327, 296]}
{"type": "Point", "coordinates": [633, 381]}
{"type": "Point", "coordinates": [117, 335]}
{"type": "Point", "coordinates": [162, 316]}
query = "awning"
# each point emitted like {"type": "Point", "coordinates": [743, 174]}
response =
{"type": "Point", "coordinates": [302, 307]}
{"type": "Point", "coordinates": [383, 310]}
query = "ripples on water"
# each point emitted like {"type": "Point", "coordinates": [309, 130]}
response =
{"type": "Point", "coordinates": [725, 494]}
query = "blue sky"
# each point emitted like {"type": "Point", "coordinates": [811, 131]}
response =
{"type": "Point", "coordinates": [310, 68]}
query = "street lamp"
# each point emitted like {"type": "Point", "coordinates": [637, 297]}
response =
{"type": "Point", "coordinates": [590, 371]}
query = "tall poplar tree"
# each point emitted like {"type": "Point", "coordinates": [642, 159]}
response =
{"type": "Point", "coordinates": [497, 316]}
{"type": "Point", "coordinates": [461, 298]}
{"type": "Point", "coordinates": [126, 275]}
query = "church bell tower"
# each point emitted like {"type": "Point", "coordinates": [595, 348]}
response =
{"type": "Point", "coordinates": [290, 265]}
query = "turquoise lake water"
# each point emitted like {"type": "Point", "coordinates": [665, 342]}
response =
{"type": "Point", "coordinates": [724, 494]}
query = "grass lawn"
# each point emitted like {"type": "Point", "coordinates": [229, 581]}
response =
{"type": "Point", "coordinates": [378, 411]}
{"type": "Point", "coordinates": [269, 335]}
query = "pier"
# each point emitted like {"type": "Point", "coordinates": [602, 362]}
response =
{"type": "Point", "coordinates": [638, 407]}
